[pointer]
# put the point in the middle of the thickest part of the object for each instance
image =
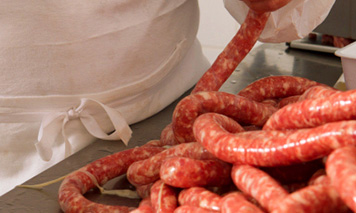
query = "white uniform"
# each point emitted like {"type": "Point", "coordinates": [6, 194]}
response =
{"type": "Point", "coordinates": [71, 71]}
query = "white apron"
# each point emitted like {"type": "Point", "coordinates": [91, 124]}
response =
{"type": "Point", "coordinates": [71, 71]}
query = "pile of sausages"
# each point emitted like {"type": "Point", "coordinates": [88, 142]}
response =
{"type": "Point", "coordinates": [282, 144]}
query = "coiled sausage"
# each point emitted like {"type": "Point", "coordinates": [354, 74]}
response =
{"type": "Point", "coordinates": [272, 148]}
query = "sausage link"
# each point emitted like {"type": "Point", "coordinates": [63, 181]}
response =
{"type": "Point", "coordinates": [145, 202]}
{"type": "Point", "coordinates": [167, 136]}
{"type": "Point", "coordinates": [147, 171]}
{"type": "Point", "coordinates": [341, 169]}
{"type": "Point", "coordinates": [200, 197]}
{"type": "Point", "coordinates": [319, 177]}
{"type": "Point", "coordinates": [163, 197]}
{"type": "Point", "coordinates": [276, 87]}
{"type": "Point", "coordinates": [227, 61]}
{"type": "Point", "coordinates": [258, 184]}
{"type": "Point", "coordinates": [312, 199]}
{"type": "Point", "coordinates": [143, 190]}
{"type": "Point", "coordinates": [314, 112]}
{"type": "Point", "coordinates": [236, 202]}
{"type": "Point", "coordinates": [73, 187]}
{"type": "Point", "coordinates": [272, 102]}
{"type": "Point", "coordinates": [185, 172]}
{"type": "Point", "coordinates": [321, 91]}
{"type": "Point", "coordinates": [272, 148]}
{"type": "Point", "coordinates": [145, 206]}
{"type": "Point", "coordinates": [233, 53]}
{"type": "Point", "coordinates": [192, 209]}
{"type": "Point", "coordinates": [239, 108]}
{"type": "Point", "coordinates": [288, 100]}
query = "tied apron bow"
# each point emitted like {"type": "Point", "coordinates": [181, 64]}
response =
{"type": "Point", "coordinates": [55, 123]}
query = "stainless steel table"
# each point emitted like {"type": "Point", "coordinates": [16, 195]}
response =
{"type": "Point", "coordinates": [265, 60]}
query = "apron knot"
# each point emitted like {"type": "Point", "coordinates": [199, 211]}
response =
{"type": "Point", "coordinates": [88, 113]}
{"type": "Point", "coordinates": [72, 114]}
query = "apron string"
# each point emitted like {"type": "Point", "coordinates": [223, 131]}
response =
{"type": "Point", "coordinates": [56, 122]}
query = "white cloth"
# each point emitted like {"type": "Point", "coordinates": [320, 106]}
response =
{"type": "Point", "coordinates": [293, 21]}
{"type": "Point", "coordinates": [72, 71]}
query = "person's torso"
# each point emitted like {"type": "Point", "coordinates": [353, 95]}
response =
{"type": "Point", "coordinates": [82, 47]}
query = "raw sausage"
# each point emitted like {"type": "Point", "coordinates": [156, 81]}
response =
{"type": "Point", "coordinates": [236, 202]}
{"type": "Point", "coordinates": [276, 87]}
{"type": "Point", "coordinates": [321, 91]}
{"type": "Point", "coordinates": [167, 136]}
{"type": "Point", "coordinates": [185, 172]}
{"type": "Point", "coordinates": [233, 53]}
{"type": "Point", "coordinates": [228, 60]}
{"type": "Point", "coordinates": [143, 190]}
{"type": "Point", "coordinates": [272, 148]}
{"type": "Point", "coordinates": [319, 177]}
{"type": "Point", "coordinates": [147, 171]}
{"type": "Point", "coordinates": [288, 100]}
{"type": "Point", "coordinates": [73, 187]}
{"type": "Point", "coordinates": [314, 112]}
{"type": "Point", "coordinates": [341, 169]}
{"type": "Point", "coordinates": [312, 199]}
{"type": "Point", "coordinates": [163, 197]}
{"type": "Point", "coordinates": [192, 209]}
{"type": "Point", "coordinates": [236, 107]}
{"type": "Point", "coordinates": [145, 206]}
{"type": "Point", "coordinates": [258, 184]}
{"type": "Point", "coordinates": [200, 197]}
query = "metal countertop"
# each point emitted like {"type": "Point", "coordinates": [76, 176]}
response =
{"type": "Point", "coordinates": [265, 60]}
